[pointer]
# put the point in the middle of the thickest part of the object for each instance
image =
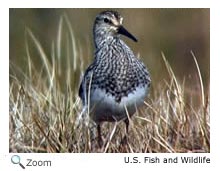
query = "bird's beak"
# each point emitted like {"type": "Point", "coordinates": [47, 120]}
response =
{"type": "Point", "coordinates": [123, 31]}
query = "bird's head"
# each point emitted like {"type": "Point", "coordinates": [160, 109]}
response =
{"type": "Point", "coordinates": [108, 24]}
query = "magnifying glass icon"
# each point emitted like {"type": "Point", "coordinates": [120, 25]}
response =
{"type": "Point", "coordinates": [15, 159]}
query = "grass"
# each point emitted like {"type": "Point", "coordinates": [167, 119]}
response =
{"type": "Point", "coordinates": [44, 107]}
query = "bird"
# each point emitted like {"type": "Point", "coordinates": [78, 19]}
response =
{"type": "Point", "coordinates": [116, 83]}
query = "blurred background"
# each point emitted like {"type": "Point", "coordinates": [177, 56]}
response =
{"type": "Point", "coordinates": [175, 32]}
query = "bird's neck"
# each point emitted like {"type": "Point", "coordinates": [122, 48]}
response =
{"type": "Point", "coordinates": [114, 46]}
{"type": "Point", "coordinates": [105, 40]}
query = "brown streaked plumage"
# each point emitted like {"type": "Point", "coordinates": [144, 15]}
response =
{"type": "Point", "coordinates": [116, 79]}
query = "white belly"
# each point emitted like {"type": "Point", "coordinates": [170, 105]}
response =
{"type": "Point", "coordinates": [103, 107]}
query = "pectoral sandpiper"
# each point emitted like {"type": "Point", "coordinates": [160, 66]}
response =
{"type": "Point", "coordinates": [117, 82]}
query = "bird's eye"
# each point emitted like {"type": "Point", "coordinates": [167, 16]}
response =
{"type": "Point", "coordinates": [106, 20]}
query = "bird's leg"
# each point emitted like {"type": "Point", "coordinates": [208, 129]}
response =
{"type": "Point", "coordinates": [125, 139]}
{"type": "Point", "coordinates": [127, 125]}
{"type": "Point", "coordinates": [100, 141]}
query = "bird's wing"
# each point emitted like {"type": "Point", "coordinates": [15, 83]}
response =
{"type": "Point", "coordinates": [83, 89]}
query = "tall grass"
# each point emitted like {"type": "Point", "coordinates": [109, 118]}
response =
{"type": "Point", "coordinates": [44, 107]}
